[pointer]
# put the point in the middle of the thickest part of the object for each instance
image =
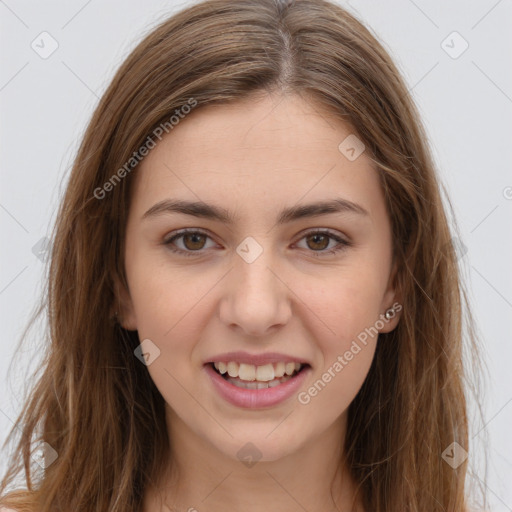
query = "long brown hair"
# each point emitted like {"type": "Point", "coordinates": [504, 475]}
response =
{"type": "Point", "coordinates": [96, 405]}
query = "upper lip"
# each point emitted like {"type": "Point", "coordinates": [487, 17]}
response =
{"type": "Point", "coordinates": [255, 359]}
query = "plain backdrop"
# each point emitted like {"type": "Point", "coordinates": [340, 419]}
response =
{"type": "Point", "coordinates": [456, 58]}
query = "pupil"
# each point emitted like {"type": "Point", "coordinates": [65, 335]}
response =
{"type": "Point", "coordinates": [318, 235]}
{"type": "Point", "coordinates": [194, 236]}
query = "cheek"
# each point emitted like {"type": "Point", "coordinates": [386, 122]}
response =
{"type": "Point", "coordinates": [170, 306]}
{"type": "Point", "coordinates": [335, 386]}
{"type": "Point", "coordinates": [345, 303]}
{"type": "Point", "coordinates": [343, 312]}
{"type": "Point", "coordinates": [346, 340]}
{"type": "Point", "coordinates": [162, 296]}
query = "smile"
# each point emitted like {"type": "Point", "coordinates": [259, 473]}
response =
{"type": "Point", "coordinates": [251, 386]}
{"type": "Point", "coordinates": [250, 376]}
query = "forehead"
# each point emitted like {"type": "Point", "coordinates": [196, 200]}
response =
{"type": "Point", "coordinates": [278, 149]}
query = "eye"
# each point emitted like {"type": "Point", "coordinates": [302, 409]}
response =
{"type": "Point", "coordinates": [194, 241]}
{"type": "Point", "coordinates": [319, 240]}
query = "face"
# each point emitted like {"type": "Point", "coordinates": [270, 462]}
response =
{"type": "Point", "coordinates": [260, 273]}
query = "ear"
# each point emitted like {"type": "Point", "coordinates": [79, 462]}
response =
{"type": "Point", "coordinates": [391, 302]}
{"type": "Point", "coordinates": [123, 306]}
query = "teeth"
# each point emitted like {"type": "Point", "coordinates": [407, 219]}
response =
{"type": "Point", "coordinates": [264, 373]}
{"type": "Point", "coordinates": [261, 374]}
{"type": "Point", "coordinates": [233, 369]}
{"type": "Point", "coordinates": [247, 372]}
{"type": "Point", "coordinates": [279, 369]}
{"type": "Point", "coordinates": [258, 385]}
{"type": "Point", "coordinates": [289, 368]}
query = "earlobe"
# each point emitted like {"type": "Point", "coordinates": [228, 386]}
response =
{"type": "Point", "coordinates": [392, 303]}
{"type": "Point", "coordinates": [391, 317]}
{"type": "Point", "coordinates": [122, 311]}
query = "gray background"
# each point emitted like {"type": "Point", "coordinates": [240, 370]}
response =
{"type": "Point", "coordinates": [466, 104]}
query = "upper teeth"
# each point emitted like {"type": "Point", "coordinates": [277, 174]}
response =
{"type": "Point", "coordinates": [251, 372]}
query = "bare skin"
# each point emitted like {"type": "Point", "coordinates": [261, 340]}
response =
{"type": "Point", "coordinates": [255, 158]}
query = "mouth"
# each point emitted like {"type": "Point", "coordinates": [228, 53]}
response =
{"type": "Point", "coordinates": [248, 376]}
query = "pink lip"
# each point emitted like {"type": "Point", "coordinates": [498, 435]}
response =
{"type": "Point", "coordinates": [255, 359]}
{"type": "Point", "coordinates": [256, 398]}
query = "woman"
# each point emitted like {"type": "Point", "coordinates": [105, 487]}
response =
{"type": "Point", "coordinates": [254, 298]}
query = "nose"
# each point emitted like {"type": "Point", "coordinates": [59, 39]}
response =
{"type": "Point", "coordinates": [256, 299]}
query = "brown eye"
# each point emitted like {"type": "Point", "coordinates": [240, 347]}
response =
{"type": "Point", "coordinates": [319, 241]}
{"type": "Point", "coordinates": [188, 243]}
{"type": "Point", "coordinates": [194, 241]}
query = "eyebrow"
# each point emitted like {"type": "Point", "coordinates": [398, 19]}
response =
{"type": "Point", "coordinates": [212, 212]}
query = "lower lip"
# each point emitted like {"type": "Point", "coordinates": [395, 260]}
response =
{"type": "Point", "coordinates": [256, 398]}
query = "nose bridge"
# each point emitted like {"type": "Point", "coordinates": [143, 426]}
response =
{"type": "Point", "coordinates": [257, 299]}
{"type": "Point", "coordinates": [254, 278]}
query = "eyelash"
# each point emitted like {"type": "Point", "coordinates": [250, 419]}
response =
{"type": "Point", "coordinates": [343, 244]}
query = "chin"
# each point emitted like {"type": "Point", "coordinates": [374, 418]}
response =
{"type": "Point", "coordinates": [259, 446]}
